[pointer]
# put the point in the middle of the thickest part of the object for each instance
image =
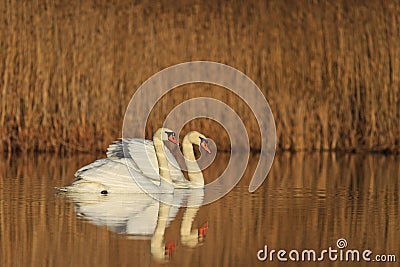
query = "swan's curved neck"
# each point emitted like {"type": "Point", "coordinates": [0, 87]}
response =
{"type": "Point", "coordinates": [194, 172]}
{"type": "Point", "coordinates": [162, 159]}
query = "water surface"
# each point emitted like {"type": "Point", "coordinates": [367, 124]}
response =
{"type": "Point", "coordinates": [309, 201]}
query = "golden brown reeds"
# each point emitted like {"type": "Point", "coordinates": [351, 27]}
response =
{"type": "Point", "coordinates": [330, 69]}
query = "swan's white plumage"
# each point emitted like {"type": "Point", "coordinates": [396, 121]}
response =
{"type": "Point", "coordinates": [135, 166]}
{"type": "Point", "coordinates": [95, 177]}
{"type": "Point", "coordinates": [143, 154]}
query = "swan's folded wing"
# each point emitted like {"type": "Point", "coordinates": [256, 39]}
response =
{"type": "Point", "coordinates": [144, 155]}
{"type": "Point", "coordinates": [174, 169]}
{"type": "Point", "coordinates": [115, 150]}
{"type": "Point", "coordinates": [93, 165]}
{"type": "Point", "coordinates": [117, 177]}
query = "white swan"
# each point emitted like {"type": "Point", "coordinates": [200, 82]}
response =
{"type": "Point", "coordinates": [112, 174]}
{"type": "Point", "coordinates": [144, 156]}
{"type": "Point", "coordinates": [194, 172]}
{"type": "Point", "coordinates": [143, 153]}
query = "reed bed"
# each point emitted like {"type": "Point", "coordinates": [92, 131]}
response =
{"type": "Point", "coordinates": [329, 69]}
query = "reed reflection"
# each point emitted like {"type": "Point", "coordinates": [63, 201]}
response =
{"type": "Point", "coordinates": [308, 201]}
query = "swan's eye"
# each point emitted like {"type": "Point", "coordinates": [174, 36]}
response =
{"type": "Point", "coordinates": [203, 140]}
{"type": "Point", "coordinates": [170, 133]}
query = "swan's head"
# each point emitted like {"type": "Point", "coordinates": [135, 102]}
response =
{"type": "Point", "coordinates": [199, 139]}
{"type": "Point", "coordinates": [204, 144]}
{"type": "Point", "coordinates": [165, 134]}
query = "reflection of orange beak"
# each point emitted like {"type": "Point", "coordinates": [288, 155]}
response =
{"type": "Point", "coordinates": [173, 140]}
{"type": "Point", "coordinates": [169, 248]}
{"type": "Point", "coordinates": [205, 146]}
{"type": "Point", "coordinates": [203, 232]}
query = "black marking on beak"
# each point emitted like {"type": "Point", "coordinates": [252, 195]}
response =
{"type": "Point", "coordinates": [204, 144]}
{"type": "Point", "coordinates": [203, 140]}
{"type": "Point", "coordinates": [171, 137]}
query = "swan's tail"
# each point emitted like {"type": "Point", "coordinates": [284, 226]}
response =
{"type": "Point", "coordinates": [84, 187]}
{"type": "Point", "coordinates": [61, 189]}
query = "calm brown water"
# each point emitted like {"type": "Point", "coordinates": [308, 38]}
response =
{"type": "Point", "coordinates": [309, 201]}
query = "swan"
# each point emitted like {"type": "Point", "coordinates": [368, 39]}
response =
{"type": "Point", "coordinates": [196, 179]}
{"type": "Point", "coordinates": [114, 173]}
{"type": "Point", "coordinates": [143, 153]}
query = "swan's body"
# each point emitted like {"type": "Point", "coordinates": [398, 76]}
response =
{"type": "Point", "coordinates": [141, 159]}
{"type": "Point", "coordinates": [144, 155]}
{"type": "Point", "coordinates": [114, 174]}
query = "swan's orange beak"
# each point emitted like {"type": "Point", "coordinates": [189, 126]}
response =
{"type": "Point", "coordinates": [205, 146]}
{"type": "Point", "coordinates": [172, 139]}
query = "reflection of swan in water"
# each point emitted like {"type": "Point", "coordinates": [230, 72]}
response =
{"type": "Point", "coordinates": [141, 217]}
